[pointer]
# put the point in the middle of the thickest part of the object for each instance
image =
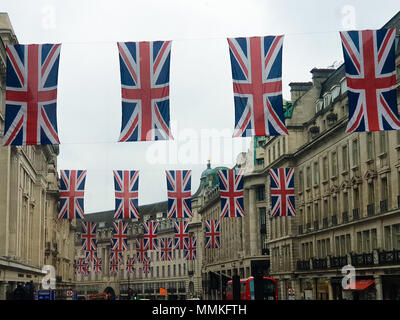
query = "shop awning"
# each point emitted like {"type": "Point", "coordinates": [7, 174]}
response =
{"type": "Point", "coordinates": [360, 285]}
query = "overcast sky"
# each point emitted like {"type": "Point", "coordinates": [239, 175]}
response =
{"type": "Point", "coordinates": [201, 97]}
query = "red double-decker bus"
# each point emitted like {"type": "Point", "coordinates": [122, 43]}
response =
{"type": "Point", "coordinates": [247, 289]}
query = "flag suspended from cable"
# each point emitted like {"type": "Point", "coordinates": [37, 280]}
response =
{"type": "Point", "coordinates": [231, 193]}
{"type": "Point", "coordinates": [141, 249]}
{"type": "Point", "coordinates": [31, 94]}
{"type": "Point", "coordinates": [166, 246]}
{"type": "Point", "coordinates": [190, 249]}
{"type": "Point", "coordinates": [88, 236]}
{"type": "Point", "coordinates": [282, 192]}
{"type": "Point", "coordinates": [150, 234]}
{"type": "Point", "coordinates": [369, 57]}
{"type": "Point", "coordinates": [114, 266]}
{"type": "Point", "coordinates": [179, 193]}
{"type": "Point", "coordinates": [98, 265]}
{"type": "Point", "coordinates": [119, 241]}
{"type": "Point", "coordinates": [130, 265]}
{"type": "Point", "coordinates": [126, 185]}
{"type": "Point", "coordinates": [144, 69]}
{"type": "Point", "coordinates": [147, 265]}
{"type": "Point", "coordinates": [212, 240]}
{"type": "Point", "coordinates": [72, 189]}
{"type": "Point", "coordinates": [256, 64]}
{"type": "Point", "coordinates": [81, 266]}
{"type": "Point", "coordinates": [117, 256]}
{"type": "Point", "coordinates": [180, 234]}
{"type": "Point", "coordinates": [90, 255]}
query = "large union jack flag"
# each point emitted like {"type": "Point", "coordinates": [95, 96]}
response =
{"type": "Point", "coordinates": [212, 234]}
{"type": "Point", "coordinates": [130, 265]}
{"type": "Point", "coordinates": [72, 188]}
{"type": "Point", "coordinates": [282, 192]}
{"type": "Point", "coordinates": [166, 246]}
{"type": "Point", "coordinates": [31, 94]}
{"type": "Point", "coordinates": [256, 64]}
{"type": "Point", "coordinates": [231, 193]}
{"type": "Point", "coordinates": [120, 237]}
{"type": "Point", "coordinates": [190, 250]}
{"type": "Point", "coordinates": [150, 234]}
{"type": "Point", "coordinates": [98, 265]}
{"type": "Point", "coordinates": [144, 70]}
{"type": "Point", "coordinates": [141, 249]}
{"type": "Point", "coordinates": [88, 236]}
{"type": "Point", "coordinates": [369, 57]}
{"type": "Point", "coordinates": [180, 234]}
{"type": "Point", "coordinates": [126, 194]}
{"type": "Point", "coordinates": [179, 193]}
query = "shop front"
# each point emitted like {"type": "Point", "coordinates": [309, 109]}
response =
{"type": "Point", "coordinates": [361, 289]}
{"type": "Point", "coordinates": [391, 287]}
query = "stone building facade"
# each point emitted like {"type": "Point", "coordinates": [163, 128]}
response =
{"type": "Point", "coordinates": [347, 189]}
{"type": "Point", "coordinates": [30, 234]}
{"type": "Point", "coordinates": [180, 277]}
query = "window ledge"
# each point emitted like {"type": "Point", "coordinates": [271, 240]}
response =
{"type": "Point", "coordinates": [315, 186]}
{"type": "Point", "coordinates": [344, 172]}
{"type": "Point", "coordinates": [333, 178]}
{"type": "Point", "coordinates": [369, 161]}
{"type": "Point", "coordinates": [382, 155]}
{"type": "Point", "coordinates": [397, 147]}
{"type": "Point", "coordinates": [325, 181]}
{"type": "Point", "coordinates": [355, 167]}
{"type": "Point", "coordinates": [308, 189]}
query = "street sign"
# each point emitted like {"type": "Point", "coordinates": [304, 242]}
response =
{"type": "Point", "coordinates": [291, 295]}
{"type": "Point", "coordinates": [45, 295]}
{"type": "Point", "coordinates": [163, 291]}
{"type": "Point", "coordinates": [69, 293]}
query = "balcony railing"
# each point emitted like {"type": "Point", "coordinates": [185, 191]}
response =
{"type": "Point", "coordinates": [334, 220]}
{"type": "Point", "coordinates": [320, 263]}
{"type": "Point", "coordinates": [303, 265]}
{"type": "Point", "coordinates": [356, 214]}
{"type": "Point", "coordinates": [364, 259]}
{"type": "Point", "coordinates": [389, 257]}
{"type": "Point", "coordinates": [345, 217]}
{"type": "Point", "coordinates": [383, 206]}
{"type": "Point", "coordinates": [325, 222]}
{"type": "Point", "coordinates": [316, 225]}
{"type": "Point", "coordinates": [371, 209]}
{"type": "Point", "coordinates": [338, 262]}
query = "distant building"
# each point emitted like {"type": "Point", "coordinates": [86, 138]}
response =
{"type": "Point", "coordinates": [31, 236]}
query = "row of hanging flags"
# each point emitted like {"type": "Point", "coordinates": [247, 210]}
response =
{"type": "Point", "coordinates": [179, 207]}
{"type": "Point", "coordinates": [256, 64]}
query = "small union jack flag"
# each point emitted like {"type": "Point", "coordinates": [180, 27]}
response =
{"type": "Point", "coordinates": [114, 267]}
{"type": "Point", "coordinates": [117, 256]}
{"type": "Point", "coordinates": [369, 57]}
{"type": "Point", "coordinates": [166, 246]}
{"type": "Point", "coordinates": [120, 237]}
{"type": "Point", "coordinates": [88, 236]}
{"type": "Point", "coordinates": [90, 255]}
{"type": "Point", "coordinates": [144, 70]}
{"type": "Point", "coordinates": [282, 192]}
{"type": "Point", "coordinates": [147, 265]}
{"type": "Point", "coordinates": [98, 265]}
{"type": "Point", "coordinates": [190, 250]}
{"type": "Point", "coordinates": [31, 94]}
{"type": "Point", "coordinates": [72, 188]}
{"type": "Point", "coordinates": [181, 233]}
{"type": "Point", "coordinates": [130, 265]}
{"type": "Point", "coordinates": [81, 266]}
{"type": "Point", "coordinates": [179, 193]}
{"type": "Point", "coordinates": [141, 249]}
{"type": "Point", "coordinates": [212, 234]}
{"type": "Point", "coordinates": [150, 234]}
{"type": "Point", "coordinates": [231, 193]}
{"type": "Point", "coordinates": [256, 64]}
{"type": "Point", "coordinates": [126, 194]}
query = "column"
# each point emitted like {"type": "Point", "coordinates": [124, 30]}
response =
{"type": "Point", "coordinates": [330, 289]}
{"type": "Point", "coordinates": [378, 286]}
{"type": "Point", "coordinates": [3, 290]}
{"type": "Point", "coordinates": [253, 222]}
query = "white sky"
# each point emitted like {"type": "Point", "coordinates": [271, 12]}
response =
{"type": "Point", "coordinates": [201, 97]}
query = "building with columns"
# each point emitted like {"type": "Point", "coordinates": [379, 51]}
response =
{"type": "Point", "coordinates": [31, 236]}
{"type": "Point", "coordinates": [347, 188]}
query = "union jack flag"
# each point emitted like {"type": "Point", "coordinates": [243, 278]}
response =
{"type": "Point", "coordinates": [117, 256]}
{"type": "Point", "coordinates": [190, 250]}
{"type": "Point", "coordinates": [256, 65]}
{"type": "Point", "coordinates": [166, 246]}
{"type": "Point", "coordinates": [88, 236]}
{"type": "Point", "coordinates": [369, 57]}
{"type": "Point", "coordinates": [282, 192]}
{"type": "Point", "coordinates": [98, 265]}
{"type": "Point", "coordinates": [130, 265]}
{"type": "Point", "coordinates": [141, 249]}
{"type": "Point", "coordinates": [81, 265]}
{"type": "Point", "coordinates": [90, 255]}
{"type": "Point", "coordinates": [72, 188]}
{"type": "Point", "coordinates": [126, 194]}
{"type": "Point", "coordinates": [150, 234]}
{"type": "Point", "coordinates": [120, 237]}
{"type": "Point", "coordinates": [212, 234]}
{"type": "Point", "coordinates": [31, 94]}
{"type": "Point", "coordinates": [144, 70]}
{"type": "Point", "coordinates": [179, 193]}
{"type": "Point", "coordinates": [147, 265]}
{"type": "Point", "coordinates": [114, 267]}
{"type": "Point", "coordinates": [181, 233]}
{"type": "Point", "coordinates": [231, 193]}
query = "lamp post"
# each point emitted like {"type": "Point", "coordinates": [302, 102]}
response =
{"type": "Point", "coordinates": [129, 275]}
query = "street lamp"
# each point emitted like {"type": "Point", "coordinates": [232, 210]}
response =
{"type": "Point", "coordinates": [129, 274]}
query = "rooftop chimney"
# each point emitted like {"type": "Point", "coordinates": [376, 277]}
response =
{"type": "Point", "coordinates": [297, 89]}
{"type": "Point", "coordinates": [320, 75]}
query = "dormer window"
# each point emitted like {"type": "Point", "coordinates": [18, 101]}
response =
{"type": "Point", "coordinates": [343, 86]}
{"type": "Point", "coordinates": [335, 92]}
{"type": "Point", "coordinates": [327, 99]}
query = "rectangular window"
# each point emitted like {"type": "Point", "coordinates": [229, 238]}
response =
{"type": "Point", "coordinates": [396, 236]}
{"type": "Point", "coordinates": [260, 193]}
{"type": "Point", "coordinates": [260, 162]}
{"type": "Point", "coordinates": [328, 246]}
{"type": "Point", "coordinates": [337, 246]}
{"type": "Point", "coordinates": [374, 239]}
{"type": "Point", "coordinates": [348, 243]}
{"type": "Point", "coordinates": [356, 154]}
{"type": "Point", "coordinates": [359, 242]}
{"type": "Point", "coordinates": [383, 141]}
{"type": "Point", "coordinates": [279, 148]}
{"type": "Point", "coordinates": [334, 164]}
{"type": "Point", "coordinates": [388, 238]}
{"type": "Point", "coordinates": [384, 189]}
{"type": "Point", "coordinates": [370, 146]}
{"type": "Point", "coordinates": [356, 198]}
{"type": "Point", "coordinates": [366, 242]}
{"type": "Point", "coordinates": [325, 168]}
{"type": "Point", "coordinates": [316, 173]}
{"type": "Point", "coordinates": [342, 245]}
{"type": "Point", "coordinates": [345, 158]}
{"type": "Point", "coordinates": [371, 193]}
{"type": "Point", "coordinates": [308, 177]}
{"type": "Point", "coordinates": [345, 202]}
{"type": "Point", "coordinates": [334, 205]}
{"type": "Point", "coordinates": [301, 180]}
